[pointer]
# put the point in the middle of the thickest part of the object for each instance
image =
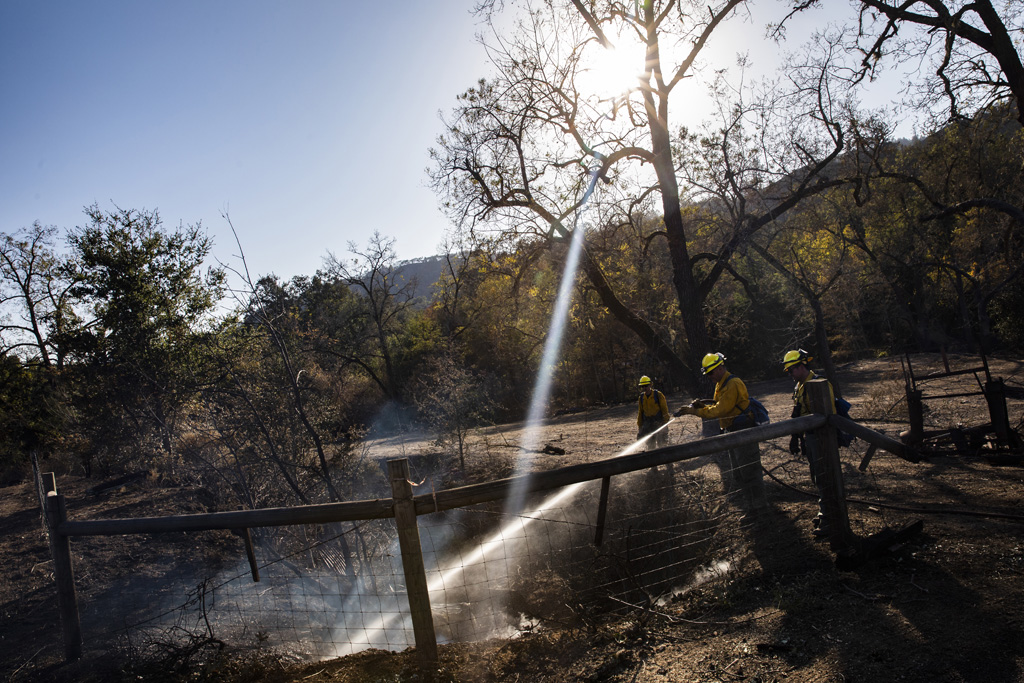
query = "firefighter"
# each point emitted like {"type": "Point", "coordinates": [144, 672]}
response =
{"type": "Point", "coordinates": [796, 364]}
{"type": "Point", "coordinates": [652, 413]}
{"type": "Point", "coordinates": [731, 398]}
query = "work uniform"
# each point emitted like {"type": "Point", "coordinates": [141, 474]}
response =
{"type": "Point", "coordinates": [731, 399]}
{"type": "Point", "coordinates": [652, 413]}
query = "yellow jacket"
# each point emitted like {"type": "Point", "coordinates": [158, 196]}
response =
{"type": "Point", "coordinates": [731, 399]}
{"type": "Point", "coordinates": [649, 406]}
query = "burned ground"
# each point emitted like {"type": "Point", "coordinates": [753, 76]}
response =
{"type": "Point", "coordinates": [944, 606]}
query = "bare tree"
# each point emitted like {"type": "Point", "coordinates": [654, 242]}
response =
{"type": "Point", "coordinates": [527, 150]}
{"type": "Point", "coordinates": [453, 400]}
{"type": "Point", "coordinates": [972, 47]}
{"type": "Point", "coordinates": [262, 321]}
{"type": "Point", "coordinates": [35, 296]}
{"type": "Point", "coordinates": [386, 298]}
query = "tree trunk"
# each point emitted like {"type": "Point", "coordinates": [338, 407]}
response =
{"type": "Point", "coordinates": [640, 327]}
{"type": "Point", "coordinates": [821, 340]}
{"type": "Point", "coordinates": [690, 303]}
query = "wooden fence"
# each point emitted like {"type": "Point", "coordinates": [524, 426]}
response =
{"type": "Point", "coordinates": [404, 507]}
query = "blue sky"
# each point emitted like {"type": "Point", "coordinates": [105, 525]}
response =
{"type": "Point", "coordinates": [308, 122]}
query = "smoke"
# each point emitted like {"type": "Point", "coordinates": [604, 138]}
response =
{"type": "Point", "coordinates": [489, 574]}
{"type": "Point", "coordinates": [479, 563]}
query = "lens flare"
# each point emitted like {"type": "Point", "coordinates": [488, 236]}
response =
{"type": "Point", "coordinates": [389, 626]}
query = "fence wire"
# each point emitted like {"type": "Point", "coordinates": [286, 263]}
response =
{"type": "Point", "coordinates": [490, 572]}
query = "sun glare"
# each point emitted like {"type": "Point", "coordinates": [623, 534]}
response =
{"type": "Point", "coordinates": [610, 72]}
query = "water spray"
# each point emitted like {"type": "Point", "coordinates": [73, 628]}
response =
{"type": "Point", "coordinates": [513, 531]}
{"type": "Point", "coordinates": [391, 628]}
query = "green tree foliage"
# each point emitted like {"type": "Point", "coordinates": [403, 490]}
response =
{"type": "Point", "coordinates": [37, 321]}
{"type": "Point", "coordinates": [810, 253]}
{"type": "Point", "coordinates": [149, 303]}
{"type": "Point", "coordinates": [27, 421]}
{"type": "Point", "coordinates": [320, 320]}
{"type": "Point", "coordinates": [1008, 323]}
{"type": "Point", "coordinates": [630, 248]}
{"type": "Point", "coordinates": [513, 299]}
{"type": "Point", "coordinates": [940, 227]}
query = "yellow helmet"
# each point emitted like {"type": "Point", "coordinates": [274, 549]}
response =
{"type": "Point", "coordinates": [710, 362]}
{"type": "Point", "coordinates": [644, 381]}
{"type": "Point", "coordinates": [795, 357]}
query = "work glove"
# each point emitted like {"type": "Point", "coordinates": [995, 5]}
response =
{"type": "Point", "coordinates": [685, 410]}
{"type": "Point", "coordinates": [794, 444]}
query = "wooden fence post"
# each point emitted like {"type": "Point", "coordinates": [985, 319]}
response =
{"type": "Point", "coordinates": [45, 482]}
{"type": "Point", "coordinates": [64, 576]}
{"type": "Point", "coordinates": [995, 396]}
{"type": "Point", "coordinates": [602, 510]}
{"type": "Point", "coordinates": [830, 475]}
{"type": "Point", "coordinates": [915, 413]}
{"type": "Point", "coordinates": [250, 552]}
{"type": "Point", "coordinates": [412, 562]}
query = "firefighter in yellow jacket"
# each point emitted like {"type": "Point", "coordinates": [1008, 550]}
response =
{"type": "Point", "coordinates": [652, 413]}
{"type": "Point", "coordinates": [796, 364]}
{"type": "Point", "coordinates": [731, 398]}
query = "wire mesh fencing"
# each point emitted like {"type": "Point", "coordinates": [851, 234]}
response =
{"type": "Point", "coordinates": [490, 573]}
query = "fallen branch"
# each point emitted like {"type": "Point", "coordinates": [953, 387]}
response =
{"type": "Point", "coordinates": [680, 620]}
{"type": "Point", "coordinates": [869, 598]}
{"type": "Point", "coordinates": [14, 674]}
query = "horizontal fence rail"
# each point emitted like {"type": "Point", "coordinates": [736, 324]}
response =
{"type": "Point", "coordinates": [447, 499]}
{"type": "Point", "coordinates": [575, 474]}
{"type": "Point", "coordinates": [323, 513]}
{"type": "Point", "coordinates": [874, 438]}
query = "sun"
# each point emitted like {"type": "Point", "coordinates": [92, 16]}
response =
{"type": "Point", "coordinates": [610, 72]}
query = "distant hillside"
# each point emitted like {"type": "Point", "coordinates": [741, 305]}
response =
{"type": "Point", "coordinates": [425, 271]}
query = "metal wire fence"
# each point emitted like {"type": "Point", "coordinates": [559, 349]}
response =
{"type": "Point", "coordinates": [490, 573]}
